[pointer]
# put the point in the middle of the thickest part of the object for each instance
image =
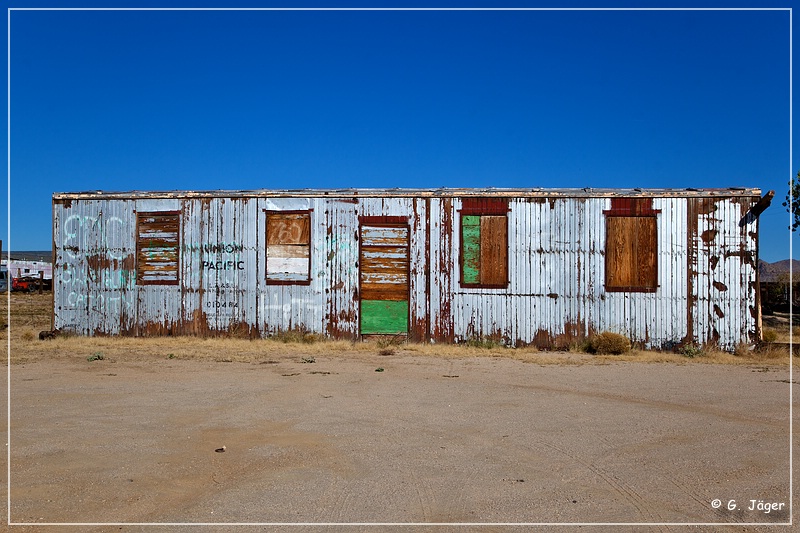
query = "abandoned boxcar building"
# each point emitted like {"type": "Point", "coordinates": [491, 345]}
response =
{"type": "Point", "coordinates": [548, 267]}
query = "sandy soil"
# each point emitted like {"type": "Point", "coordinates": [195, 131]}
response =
{"type": "Point", "coordinates": [426, 440]}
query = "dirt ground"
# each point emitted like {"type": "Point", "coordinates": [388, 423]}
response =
{"type": "Point", "coordinates": [426, 440]}
{"type": "Point", "coordinates": [326, 434]}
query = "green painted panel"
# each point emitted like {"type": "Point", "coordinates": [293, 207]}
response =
{"type": "Point", "coordinates": [471, 248]}
{"type": "Point", "coordinates": [384, 317]}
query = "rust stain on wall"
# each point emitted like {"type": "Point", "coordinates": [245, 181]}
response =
{"type": "Point", "coordinates": [708, 236]}
{"type": "Point", "coordinates": [746, 256]}
{"type": "Point", "coordinates": [720, 286]}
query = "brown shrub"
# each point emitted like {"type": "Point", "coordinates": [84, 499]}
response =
{"type": "Point", "coordinates": [609, 343]}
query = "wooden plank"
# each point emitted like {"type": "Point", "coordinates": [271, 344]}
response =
{"type": "Point", "coordinates": [646, 252]}
{"type": "Point", "coordinates": [393, 266]}
{"type": "Point", "coordinates": [384, 317]}
{"type": "Point", "coordinates": [162, 242]}
{"type": "Point", "coordinates": [385, 278]}
{"type": "Point", "coordinates": [384, 236]}
{"type": "Point", "coordinates": [618, 252]}
{"type": "Point", "coordinates": [470, 249]}
{"type": "Point", "coordinates": [293, 251]}
{"type": "Point", "coordinates": [494, 250]}
{"type": "Point", "coordinates": [165, 221]}
{"type": "Point", "coordinates": [287, 268]}
{"type": "Point", "coordinates": [288, 229]}
{"type": "Point", "coordinates": [383, 251]}
{"type": "Point", "coordinates": [384, 292]}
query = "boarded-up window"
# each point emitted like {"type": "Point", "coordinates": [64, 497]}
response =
{"type": "Point", "coordinates": [631, 245]}
{"type": "Point", "coordinates": [289, 247]}
{"type": "Point", "coordinates": [484, 243]}
{"type": "Point", "coordinates": [158, 248]}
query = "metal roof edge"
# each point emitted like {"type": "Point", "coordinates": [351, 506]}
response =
{"type": "Point", "coordinates": [586, 192]}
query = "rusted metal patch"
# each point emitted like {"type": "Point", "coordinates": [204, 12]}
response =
{"type": "Point", "coordinates": [708, 236]}
{"type": "Point", "coordinates": [631, 207]}
{"type": "Point", "coordinates": [484, 206]}
{"type": "Point", "coordinates": [706, 206]}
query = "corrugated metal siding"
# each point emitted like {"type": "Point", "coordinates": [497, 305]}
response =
{"type": "Point", "coordinates": [556, 270]}
{"type": "Point", "coordinates": [94, 272]}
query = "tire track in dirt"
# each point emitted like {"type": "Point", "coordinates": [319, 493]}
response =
{"type": "Point", "coordinates": [341, 504]}
{"type": "Point", "coordinates": [705, 503]}
{"type": "Point", "coordinates": [616, 484]}
{"type": "Point", "coordinates": [694, 409]}
{"type": "Point", "coordinates": [425, 499]}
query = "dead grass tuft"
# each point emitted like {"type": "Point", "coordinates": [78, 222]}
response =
{"type": "Point", "coordinates": [297, 336]}
{"type": "Point", "coordinates": [484, 343]}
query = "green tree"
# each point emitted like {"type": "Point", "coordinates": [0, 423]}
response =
{"type": "Point", "coordinates": [792, 203]}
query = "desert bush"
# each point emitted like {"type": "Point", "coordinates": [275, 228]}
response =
{"type": "Point", "coordinates": [691, 351]}
{"type": "Point", "coordinates": [609, 343]}
{"type": "Point", "coordinates": [769, 335]}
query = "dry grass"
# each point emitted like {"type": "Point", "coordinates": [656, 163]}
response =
{"type": "Point", "coordinates": [30, 314]}
{"type": "Point", "coordinates": [779, 323]}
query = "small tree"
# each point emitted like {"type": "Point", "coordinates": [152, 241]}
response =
{"type": "Point", "coordinates": [792, 203]}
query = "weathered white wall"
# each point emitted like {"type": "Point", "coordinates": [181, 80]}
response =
{"type": "Point", "coordinates": [706, 271]}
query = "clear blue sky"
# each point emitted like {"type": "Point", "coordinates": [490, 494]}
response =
{"type": "Point", "coordinates": [164, 100]}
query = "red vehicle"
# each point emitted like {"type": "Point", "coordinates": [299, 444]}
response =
{"type": "Point", "coordinates": [29, 284]}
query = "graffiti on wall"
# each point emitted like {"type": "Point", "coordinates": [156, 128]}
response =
{"type": "Point", "coordinates": [96, 234]}
{"type": "Point", "coordinates": [98, 260]}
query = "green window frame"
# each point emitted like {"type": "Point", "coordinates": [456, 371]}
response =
{"type": "Point", "coordinates": [484, 243]}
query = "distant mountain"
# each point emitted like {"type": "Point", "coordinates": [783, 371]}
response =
{"type": "Point", "coordinates": [772, 271]}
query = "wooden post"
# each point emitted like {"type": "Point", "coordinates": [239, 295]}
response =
{"type": "Point", "coordinates": [41, 281]}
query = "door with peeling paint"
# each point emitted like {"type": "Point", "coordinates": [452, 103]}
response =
{"type": "Point", "coordinates": [383, 279]}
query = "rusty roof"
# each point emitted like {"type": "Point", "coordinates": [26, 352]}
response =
{"type": "Point", "coordinates": [586, 192]}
